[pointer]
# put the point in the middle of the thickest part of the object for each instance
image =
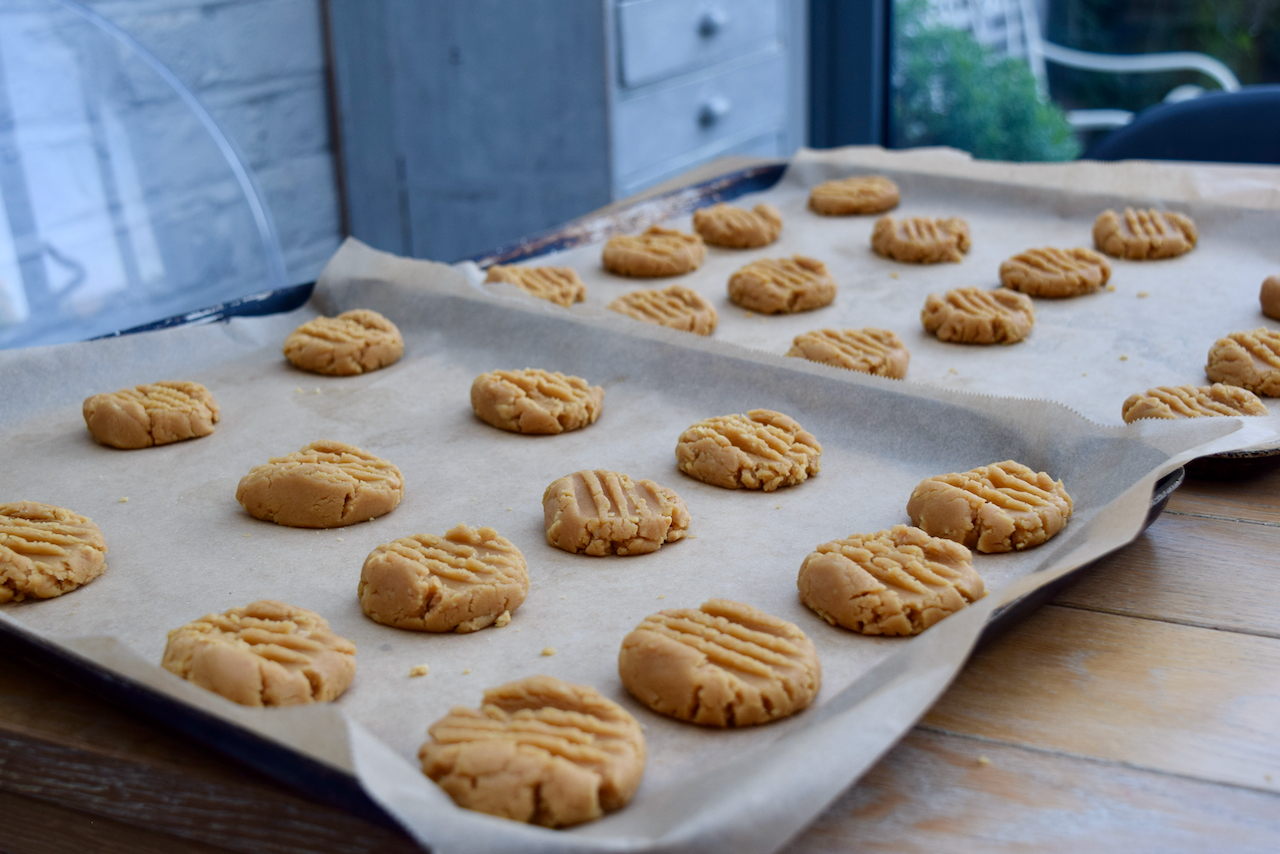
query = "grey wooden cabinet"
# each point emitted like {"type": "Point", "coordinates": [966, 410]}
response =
{"type": "Point", "coordinates": [464, 124]}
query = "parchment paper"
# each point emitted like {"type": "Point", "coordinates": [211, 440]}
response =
{"type": "Point", "coordinates": [1153, 327]}
{"type": "Point", "coordinates": [181, 547]}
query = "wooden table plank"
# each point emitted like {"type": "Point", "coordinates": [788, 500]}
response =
{"type": "Point", "coordinates": [1251, 497]}
{"type": "Point", "coordinates": [1184, 700]}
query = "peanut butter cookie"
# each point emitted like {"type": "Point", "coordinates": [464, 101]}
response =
{"type": "Point", "coordinates": [1187, 401]}
{"type": "Point", "coordinates": [657, 252]}
{"type": "Point", "coordinates": [1002, 507]}
{"type": "Point", "coordinates": [462, 582]}
{"type": "Point", "coordinates": [1144, 235]}
{"type": "Point", "coordinates": [535, 401]}
{"type": "Point", "coordinates": [46, 551]}
{"type": "Point", "coordinates": [977, 316]}
{"type": "Point", "coordinates": [861, 194]}
{"type": "Point", "coordinates": [921, 240]}
{"type": "Point", "coordinates": [354, 342]}
{"type": "Point", "coordinates": [760, 450]}
{"type": "Point", "coordinates": [895, 582]}
{"type": "Point", "coordinates": [1055, 273]}
{"type": "Point", "coordinates": [603, 513]}
{"type": "Point", "coordinates": [324, 485]}
{"type": "Point", "coordinates": [1247, 359]}
{"type": "Point", "coordinates": [155, 414]}
{"type": "Point", "coordinates": [871, 351]}
{"type": "Point", "coordinates": [538, 750]}
{"type": "Point", "coordinates": [1269, 296]}
{"type": "Point", "coordinates": [725, 664]}
{"type": "Point", "coordinates": [560, 285]}
{"type": "Point", "coordinates": [737, 228]}
{"type": "Point", "coordinates": [674, 306]}
{"type": "Point", "coordinates": [782, 285]}
{"type": "Point", "coordinates": [264, 654]}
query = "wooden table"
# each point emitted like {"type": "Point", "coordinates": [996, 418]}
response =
{"type": "Point", "coordinates": [1138, 712]}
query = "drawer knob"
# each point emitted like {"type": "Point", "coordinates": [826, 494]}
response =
{"type": "Point", "coordinates": [712, 22]}
{"type": "Point", "coordinates": [713, 110]}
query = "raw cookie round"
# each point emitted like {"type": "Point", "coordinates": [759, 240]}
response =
{"type": "Point", "coordinates": [1269, 296]}
{"type": "Point", "coordinates": [264, 654]}
{"type": "Point", "coordinates": [603, 513]}
{"type": "Point", "coordinates": [1055, 273]}
{"type": "Point", "coordinates": [560, 285]}
{"type": "Point", "coordinates": [1144, 235]}
{"type": "Point", "coordinates": [462, 582]}
{"type": "Point", "coordinates": [535, 401]}
{"type": "Point", "coordinates": [871, 351]}
{"type": "Point", "coordinates": [861, 194]}
{"type": "Point", "coordinates": [325, 485]}
{"type": "Point", "coordinates": [354, 342]}
{"type": "Point", "coordinates": [1247, 359]}
{"type": "Point", "coordinates": [538, 750]}
{"type": "Point", "coordinates": [738, 228]}
{"type": "Point", "coordinates": [921, 239]}
{"type": "Point", "coordinates": [760, 450]}
{"type": "Point", "coordinates": [155, 414]}
{"type": "Point", "coordinates": [1188, 401]}
{"type": "Point", "coordinates": [977, 316]}
{"type": "Point", "coordinates": [1002, 507]}
{"type": "Point", "coordinates": [895, 582]}
{"type": "Point", "coordinates": [657, 252]}
{"type": "Point", "coordinates": [782, 285]}
{"type": "Point", "coordinates": [46, 551]}
{"type": "Point", "coordinates": [725, 664]}
{"type": "Point", "coordinates": [675, 307]}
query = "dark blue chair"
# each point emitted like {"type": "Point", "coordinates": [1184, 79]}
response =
{"type": "Point", "coordinates": [1223, 127]}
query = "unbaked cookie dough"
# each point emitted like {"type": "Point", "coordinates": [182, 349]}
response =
{"type": "Point", "coordinates": [1002, 507]}
{"type": "Point", "coordinates": [657, 252]}
{"type": "Point", "coordinates": [1144, 235]}
{"type": "Point", "coordinates": [535, 401]}
{"type": "Point", "coordinates": [264, 654]}
{"type": "Point", "coordinates": [154, 414]}
{"type": "Point", "coordinates": [1247, 359]}
{"type": "Point", "coordinates": [604, 513]}
{"type": "Point", "coordinates": [1055, 273]}
{"type": "Point", "coordinates": [354, 342]}
{"type": "Point", "coordinates": [1269, 296]}
{"type": "Point", "coordinates": [325, 485]}
{"type": "Point", "coordinates": [978, 316]}
{"type": "Point", "coordinates": [921, 239]}
{"type": "Point", "coordinates": [560, 285]}
{"type": "Point", "coordinates": [1188, 401]}
{"type": "Point", "coordinates": [725, 664]}
{"type": "Point", "coordinates": [461, 582]}
{"type": "Point", "coordinates": [46, 551]}
{"type": "Point", "coordinates": [738, 228]}
{"type": "Point", "coordinates": [861, 194]}
{"type": "Point", "coordinates": [538, 750]}
{"type": "Point", "coordinates": [760, 450]}
{"type": "Point", "coordinates": [782, 285]}
{"type": "Point", "coordinates": [674, 306]}
{"type": "Point", "coordinates": [895, 582]}
{"type": "Point", "coordinates": [871, 351]}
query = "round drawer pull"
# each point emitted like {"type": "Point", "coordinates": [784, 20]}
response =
{"type": "Point", "coordinates": [713, 110]}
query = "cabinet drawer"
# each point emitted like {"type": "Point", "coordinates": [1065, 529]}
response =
{"type": "Point", "coordinates": [660, 38]}
{"type": "Point", "coordinates": [660, 125]}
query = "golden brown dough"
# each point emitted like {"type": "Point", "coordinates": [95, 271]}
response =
{"type": "Point", "coordinates": [724, 664]}
{"type": "Point", "coordinates": [354, 342]}
{"type": "Point", "coordinates": [871, 351]}
{"type": "Point", "coordinates": [895, 582]}
{"type": "Point", "coordinates": [46, 551]}
{"type": "Point", "coordinates": [1269, 296]}
{"type": "Point", "coordinates": [782, 285]}
{"type": "Point", "coordinates": [1187, 401]}
{"type": "Point", "coordinates": [674, 306]}
{"type": "Point", "coordinates": [997, 508]}
{"type": "Point", "coordinates": [657, 252]}
{"type": "Point", "coordinates": [325, 485]}
{"type": "Point", "coordinates": [155, 414]}
{"type": "Point", "coordinates": [921, 240]}
{"type": "Point", "coordinates": [1144, 235]}
{"type": "Point", "coordinates": [264, 654]}
{"type": "Point", "coordinates": [737, 228]}
{"type": "Point", "coordinates": [560, 285]}
{"type": "Point", "coordinates": [1247, 359]}
{"type": "Point", "coordinates": [1055, 273]}
{"type": "Point", "coordinates": [861, 194]}
{"type": "Point", "coordinates": [538, 750]}
{"type": "Point", "coordinates": [603, 513]}
{"type": "Point", "coordinates": [760, 450]}
{"type": "Point", "coordinates": [535, 401]}
{"type": "Point", "coordinates": [977, 316]}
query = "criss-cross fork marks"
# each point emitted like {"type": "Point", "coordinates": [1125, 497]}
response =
{"type": "Point", "coordinates": [560, 285]}
{"type": "Point", "coordinates": [873, 351]}
{"type": "Point", "coordinates": [1140, 234]}
{"type": "Point", "coordinates": [1192, 402]}
{"type": "Point", "coordinates": [676, 307]}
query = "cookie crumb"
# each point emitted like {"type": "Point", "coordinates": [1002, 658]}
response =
{"type": "Point", "coordinates": [893, 275]}
{"type": "Point", "coordinates": [299, 390]}
{"type": "Point", "coordinates": [1143, 294]}
{"type": "Point", "coordinates": [982, 760]}
{"type": "Point", "coordinates": [508, 509]}
{"type": "Point", "coordinates": [1084, 373]}
{"type": "Point", "coordinates": [317, 391]}
{"type": "Point", "coordinates": [418, 670]}
{"type": "Point", "coordinates": [952, 371]}
{"type": "Point", "coordinates": [124, 500]}
{"type": "Point", "coordinates": [779, 507]}
{"type": "Point", "coordinates": [248, 535]}
{"type": "Point", "coordinates": [503, 619]}
{"type": "Point", "coordinates": [1124, 358]}
{"type": "Point", "coordinates": [548, 650]}
{"type": "Point", "coordinates": [661, 596]}
{"type": "Point", "coordinates": [465, 672]}
{"type": "Point", "coordinates": [1111, 287]}
{"type": "Point", "coordinates": [692, 537]}
{"type": "Point", "coordinates": [1266, 777]}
